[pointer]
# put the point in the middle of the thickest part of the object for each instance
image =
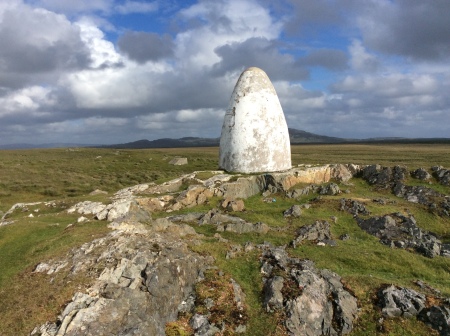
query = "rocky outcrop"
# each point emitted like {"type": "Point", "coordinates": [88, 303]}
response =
{"type": "Point", "coordinates": [314, 175]}
{"type": "Point", "coordinates": [441, 174]}
{"type": "Point", "coordinates": [399, 231]}
{"type": "Point", "coordinates": [298, 192]}
{"type": "Point", "coordinates": [397, 301]}
{"type": "Point", "coordinates": [383, 177]}
{"type": "Point", "coordinates": [230, 204]}
{"type": "Point", "coordinates": [220, 306]}
{"type": "Point", "coordinates": [22, 206]}
{"type": "Point", "coordinates": [421, 174]}
{"type": "Point", "coordinates": [243, 187]}
{"type": "Point", "coordinates": [437, 317]}
{"type": "Point", "coordinates": [331, 189]}
{"type": "Point", "coordinates": [394, 178]}
{"type": "Point", "coordinates": [318, 232]}
{"type": "Point", "coordinates": [416, 194]}
{"type": "Point", "coordinates": [244, 227]}
{"type": "Point", "coordinates": [354, 207]}
{"type": "Point", "coordinates": [142, 276]}
{"type": "Point", "coordinates": [294, 211]}
{"type": "Point", "coordinates": [216, 217]}
{"type": "Point", "coordinates": [314, 301]}
{"type": "Point", "coordinates": [194, 195]}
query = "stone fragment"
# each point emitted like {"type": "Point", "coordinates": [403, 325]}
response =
{"type": "Point", "coordinates": [293, 211]}
{"type": "Point", "coordinates": [244, 227]}
{"type": "Point", "coordinates": [319, 231]}
{"type": "Point", "coordinates": [330, 189]}
{"type": "Point", "coordinates": [354, 207]}
{"type": "Point", "coordinates": [179, 161]}
{"type": "Point", "coordinates": [421, 174]}
{"type": "Point", "coordinates": [442, 175]}
{"type": "Point", "coordinates": [233, 205]}
{"type": "Point", "coordinates": [255, 136]}
{"type": "Point", "coordinates": [87, 208]}
{"type": "Point", "coordinates": [342, 173]}
{"type": "Point", "coordinates": [82, 219]}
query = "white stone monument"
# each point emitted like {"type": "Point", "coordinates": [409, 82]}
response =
{"type": "Point", "coordinates": [255, 135]}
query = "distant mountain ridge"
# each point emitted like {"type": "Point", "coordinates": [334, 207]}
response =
{"type": "Point", "coordinates": [296, 136]}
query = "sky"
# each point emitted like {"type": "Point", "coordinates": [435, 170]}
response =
{"type": "Point", "coordinates": [108, 71]}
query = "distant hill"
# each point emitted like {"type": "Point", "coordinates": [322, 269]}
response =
{"type": "Point", "coordinates": [167, 143]}
{"type": "Point", "coordinates": [46, 145]}
{"type": "Point", "coordinates": [299, 137]}
{"type": "Point", "coordinates": [296, 136]}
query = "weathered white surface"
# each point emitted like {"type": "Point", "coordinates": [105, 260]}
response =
{"type": "Point", "coordinates": [179, 161]}
{"type": "Point", "coordinates": [254, 136]}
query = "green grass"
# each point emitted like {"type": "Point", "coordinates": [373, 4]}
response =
{"type": "Point", "coordinates": [68, 176]}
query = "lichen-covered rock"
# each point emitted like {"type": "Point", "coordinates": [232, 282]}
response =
{"type": "Point", "coordinates": [87, 208]}
{"type": "Point", "coordinates": [437, 317]}
{"type": "Point", "coordinates": [243, 187]}
{"type": "Point", "coordinates": [319, 231]}
{"type": "Point", "coordinates": [296, 193]}
{"type": "Point", "coordinates": [314, 301]}
{"type": "Point", "coordinates": [244, 227]}
{"type": "Point", "coordinates": [273, 297]}
{"type": "Point", "coordinates": [383, 177]}
{"type": "Point", "coordinates": [214, 216]}
{"type": "Point", "coordinates": [145, 278]}
{"type": "Point", "coordinates": [354, 207]}
{"type": "Point", "coordinates": [396, 301]}
{"type": "Point", "coordinates": [442, 175]}
{"type": "Point", "coordinates": [293, 211]}
{"type": "Point", "coordinates": [399, 231]}
{"type": "Point", "coordinates": [194, 195]}
{"type": "Point", "coordinates": [421, 174]}
{"type": "Point", "coordinates": [330, 189]}
{"type": "Point", "coordinates": [233, 205]}
{"type": "Point", "coordinates": [342, 173]}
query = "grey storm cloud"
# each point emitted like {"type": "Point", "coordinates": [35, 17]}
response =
{"type": "Point", "coordinates": [143, 47]}
{"type": "Point", "coordinates": [310, 16]}
{"type": "Point", "coordinates": [259, 52]}
{"type": "Point", "coordinates": [416, 29]}
{"type": "Point", "coordinates": [45, 44]}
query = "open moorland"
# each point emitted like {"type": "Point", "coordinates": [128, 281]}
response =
{"type": "Point", "coordinates": [57, 179]}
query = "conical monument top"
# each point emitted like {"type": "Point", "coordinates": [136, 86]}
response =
{"type": "Point", "coordinates": [255, 136]}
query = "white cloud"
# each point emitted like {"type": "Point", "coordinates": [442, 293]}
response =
{"type": "Point", "coordinates": [360, 59]}
{"type": "Point", "coordinates": [26, 101]}
{"type": "Point", "coordinates": [78, 6]}
{"type": "Point", "coordinates": [102, 52]}
{"type": "Point", "coordinates": [199, 115]}
{"type": "Point", "coordinates": [224, 22]}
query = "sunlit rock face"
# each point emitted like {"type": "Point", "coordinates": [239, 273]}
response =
{"type": "Point", "coordinates": [255, 135]}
